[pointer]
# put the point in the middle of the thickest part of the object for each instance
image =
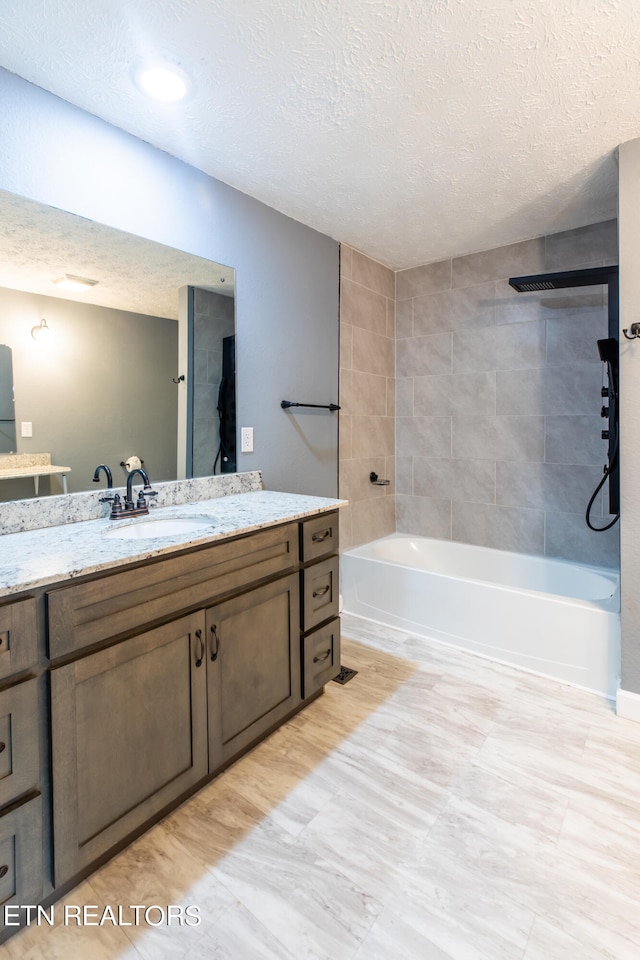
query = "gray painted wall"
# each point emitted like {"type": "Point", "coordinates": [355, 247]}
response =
{"type": "Point", "coordinates": [629, 219]}
{"type": "Point", "coordinates": [498, 400]}
{"type": "Point", "coordinates": [99, 391]}
{"type": "Point", "coordinates": [286, 273]}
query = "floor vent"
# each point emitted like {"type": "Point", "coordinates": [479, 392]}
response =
{"type": "Point", "coordinates": [346, 674]}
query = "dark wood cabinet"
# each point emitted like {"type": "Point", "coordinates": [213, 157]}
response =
{"type": "Point", "coordinates": [149, 680]}
{"type": "Point", "coordinates": [320, 657]}
{"type": "Point", "coordinates": [320, 591]}
{"type": "Point", "coordinates": [253, 666]}
{"type": "Point", "coordinates": [129, 735]}
{"type": "Point", "coordinates": [21, 808]}
{"type": "Point", "coordinates": [21, 867]}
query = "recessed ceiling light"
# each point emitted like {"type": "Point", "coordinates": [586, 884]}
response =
{"type": "Point", "coordinates": [69, 282]}
{"type": "Point", "coordinates": [163, 81]}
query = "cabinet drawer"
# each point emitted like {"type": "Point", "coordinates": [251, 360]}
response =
{"type": "Point", "coordinates": [320, 592]}
{"type": "Point", "coordinates": [320, 657]}
{"type": "Point", "coordinates": [18, 636]}
{"type": "Point", "coordinates": [116, 604]}
{"type": "Point", "coordinates": [19, 740]}
{"type": "Point", "coordinates": [319, 536]}
{"type": "Point", "coordinates": [21, 856]}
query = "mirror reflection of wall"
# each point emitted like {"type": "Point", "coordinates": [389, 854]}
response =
{"type": "Point", "coordinates": [7, 412]}
{"type": "Point", "coordinates": [102, 389]}
{"type": "Point", "coordinates": [99, 390]}
{"type": "Point", "coordinates": [212, 383]}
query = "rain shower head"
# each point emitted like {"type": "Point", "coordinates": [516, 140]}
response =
{"type": "Point", "coordinates": [560, 281]}
{"type": "Point", "coordinates": [524, 285]}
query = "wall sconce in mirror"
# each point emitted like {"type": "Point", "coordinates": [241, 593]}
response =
{"type": "Point", "coordinates": [40, 333]}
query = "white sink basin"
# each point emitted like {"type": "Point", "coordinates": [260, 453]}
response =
{"type": "Point", "coordinates": [158, 527]}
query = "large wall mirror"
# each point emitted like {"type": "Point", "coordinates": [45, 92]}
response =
{"type": "Point", "coordinates": [138, 363]}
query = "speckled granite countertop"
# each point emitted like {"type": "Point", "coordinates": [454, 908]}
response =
{"type": "Point", "coordinates": [35, 558]}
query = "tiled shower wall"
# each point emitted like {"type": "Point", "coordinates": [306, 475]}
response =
{"type": "Point", "coordinates": [498, 399]}
{"type": "Point", "coordinates": [367, 397]}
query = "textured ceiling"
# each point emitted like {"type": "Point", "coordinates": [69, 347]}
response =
{"type": "Point", "coordinates": [413, 130]}
{"type": "Point", "coordinates": [38, 244]}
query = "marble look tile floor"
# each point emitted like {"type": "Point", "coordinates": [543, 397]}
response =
{"type": "Point", "coordinates": [436, 807]}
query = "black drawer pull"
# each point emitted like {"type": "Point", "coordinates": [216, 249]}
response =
{"type": "Point", "coordinates": [4, 870]}
{"type": "Point", "coordinates": [214, 636]}
{"type": "Point", "coordinates": [3, 746]}
{"type": "Point", "coordinates": [319, 537]}
{"type": "Point", "coordinates": [322, 591]}
{"type": "Point", "coordinates": [200, 656]}
{"type": "Point", "coordinates": [324, 656]}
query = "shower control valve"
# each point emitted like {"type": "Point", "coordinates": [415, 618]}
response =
{"type": "Point", "coordinates": [604, 412]}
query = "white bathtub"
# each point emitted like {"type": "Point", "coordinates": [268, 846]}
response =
{"type": "Point", "coordinates": [553, 617]}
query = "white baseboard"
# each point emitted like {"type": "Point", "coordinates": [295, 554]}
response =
{"type": "Point", "coordinates": [628, 705]}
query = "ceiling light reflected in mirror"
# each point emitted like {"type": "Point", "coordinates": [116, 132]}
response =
{"type": "Point", "coordinates": [69, 282]}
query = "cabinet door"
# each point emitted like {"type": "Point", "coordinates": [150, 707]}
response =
{"type": "Point", "coordinates": [128, 737]}
{"type": "Point", "coordinates": [253, 666]}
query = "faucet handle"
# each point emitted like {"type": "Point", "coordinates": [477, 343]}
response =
{"type": "Point", "coordinates": [116, 505]}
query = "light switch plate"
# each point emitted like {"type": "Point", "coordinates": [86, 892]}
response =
{"type": "Point", "coordinates": [26, 428]}
{"type": "Point", "coordinates": [246, 439]}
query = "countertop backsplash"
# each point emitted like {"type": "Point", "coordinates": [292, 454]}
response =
{"type": "Point", "coordinates": [35, 513]}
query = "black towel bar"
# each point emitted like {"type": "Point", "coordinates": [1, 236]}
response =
{"type": "Point", "coordinates": [318, 406]}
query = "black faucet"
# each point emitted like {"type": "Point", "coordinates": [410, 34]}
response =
{"type": "Point", "coordinates": [107, 473]}
{"type": "Point", "coordinates": [140, 507]}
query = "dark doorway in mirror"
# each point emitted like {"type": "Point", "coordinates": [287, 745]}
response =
{"type": "Point", "coordinates": [211, 433]}
{"type": "Point", "coordinates": [225, 461]}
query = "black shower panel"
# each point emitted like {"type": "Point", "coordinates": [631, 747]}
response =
{"type": "Point", "coordinates": [608, 350]}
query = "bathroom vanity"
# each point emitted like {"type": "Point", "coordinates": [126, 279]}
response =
{"type": "Point", "coordinates": [143, 667]}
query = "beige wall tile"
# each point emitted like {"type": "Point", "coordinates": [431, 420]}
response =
{"type": "Point", "coordinates": [390, 474]}
{"type": "Point", "coordinates": [364, 394]}
{"type": "Point", "coordinates": [345, 528]}
{"type": "Point", "coordinates": [363, 307]}
{"type": "Point", "coordinates": [354, 479]}
{"type": "Point", "coordinates": [344, 435]}
{"type": "Point", "coordinates": [373, 437]}
{"type": "Point", "coordinates": [372, 274]}
{"type": "Point", "coordinates": [372, 519]}
{"type": "Point", "coordinates": [367, 394]}
{"type": "Point", "coordinates": [372, 353]}
{"type": "Point", "coordinates": [391, 397]}
{"type": "Point", "coordinates": [345, 261]}
{"type": "Point", "coordinates": [391, 319]}
{"type": "Point", "coordinates": [346, 346]}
